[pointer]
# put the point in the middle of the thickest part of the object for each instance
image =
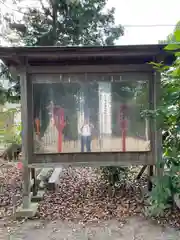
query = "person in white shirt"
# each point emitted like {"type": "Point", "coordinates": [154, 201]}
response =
{"type": "Point", "coordinates": [86, 134]}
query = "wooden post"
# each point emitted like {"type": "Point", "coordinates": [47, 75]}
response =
{"type": "Point", "coordinates": [158, 136]}
{"type": "Point", "coordinates": [152, 127]}
{"type": "Point", "coordinates": [155, 131]}
{"type": "Point", "coordinates": [150, 175]}
{"type": "Point", "coordinates": [27, 136]}
{"type": "Point", "coordinates": [141, 172]}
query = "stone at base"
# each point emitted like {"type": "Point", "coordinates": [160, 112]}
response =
{"type": "Point", "coordinates": [38, 197]}
{"type": "Point", "coordinates": [27, 212]}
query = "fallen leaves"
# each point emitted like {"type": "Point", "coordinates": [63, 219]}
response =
{"type": "Point", "coordinates": [82, 196]}
{"type": "Point", "coordinates": [10, 190]}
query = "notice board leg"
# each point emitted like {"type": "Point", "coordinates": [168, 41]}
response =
{"type": "Point", "coordinates": [141, 172]}
{"type": "Point", "coordinates": [150, 175]}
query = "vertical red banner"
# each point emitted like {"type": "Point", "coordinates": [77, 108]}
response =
{"type": "Point", "coordinates": [37, 122]}
{"type": "Point", "coordinates": [61, 125]}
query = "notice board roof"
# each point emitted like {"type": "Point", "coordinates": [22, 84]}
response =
{"type": "Point", "coordinates": [53, 55]}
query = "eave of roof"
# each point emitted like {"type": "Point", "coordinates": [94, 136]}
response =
{"type": "Point", "coordinates": [14, 55]}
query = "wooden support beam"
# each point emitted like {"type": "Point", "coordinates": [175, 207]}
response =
{"type": "Point", "coordinates": [150, 175]}
{"type": "Point", "coordinates": [159, 170]}
{"type": "Point", "coordinates": [28, 209]}
{"type": "Point", "coordinates": [27, 136]}
{"type": "Point", "coordinates": [95, 159]}
{"type": "Point", "coordinates": [153, 127]}
{"type": "Point", "coordinates": [141, 172]}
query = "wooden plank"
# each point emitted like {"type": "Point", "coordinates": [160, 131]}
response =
{"type": "Point", "coordinates": [41, 53]}
{"type": "Point", "coordinates": [141, 172]}
{"type": "Point", "coordinates": [85, 164]}
{"type": "Point", "coordinates": [112, 68]}
{"type": "Point", "coordinates": [54, 179]}
{"type": "Point", "coordinates": [96, 158]}
{"type": "Point", "coordinates": [77, 51]}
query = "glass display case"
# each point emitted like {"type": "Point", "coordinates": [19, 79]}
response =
{"type": "Point", "coordinates": [90, 112]}
{"type": "Point", "coordinates": [88, 106]}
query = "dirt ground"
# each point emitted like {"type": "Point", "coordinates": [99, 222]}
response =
{"type": "Point", "coordinates": [135, 228]}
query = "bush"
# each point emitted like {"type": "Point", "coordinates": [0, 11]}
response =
{"type": "Point", "coordinates": [114, 175]}
{"type": "Point", "coordinates": [11, 134]}
{"type": "Point", "coordinates": [166, 186]}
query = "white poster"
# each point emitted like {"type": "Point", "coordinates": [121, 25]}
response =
{"type": "Point", "coordinates": [105, 108]}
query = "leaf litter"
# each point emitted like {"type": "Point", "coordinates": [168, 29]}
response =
{"type": "Point", "coordinates": [82, 196]}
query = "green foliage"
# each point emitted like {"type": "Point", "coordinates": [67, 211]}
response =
{"type": "Point", "coordinates": [172, 37]}
{"type": "Point", "coordinates": [12, 94]}
{"type": "Point", "coordinates": [3, 96]}
{"type": "Point", "coordinates": [166, 186]}
{"type": "Point", "coordinates": [10, 133]}
{"type": "Point", "coordinates": [62, 23]}
{"type": "Point", "coordinates": [83, 23]}
{"type": "Point", "coordinates": [12, 136]}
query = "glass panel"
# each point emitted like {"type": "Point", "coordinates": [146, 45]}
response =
{"type": "Point", "coordinates": [90, 113]}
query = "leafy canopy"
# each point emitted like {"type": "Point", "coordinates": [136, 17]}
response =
{"type": "Point", "coordinates": [62, 23]}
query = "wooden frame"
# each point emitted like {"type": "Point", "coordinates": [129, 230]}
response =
{"type": "Point", "coordinates": [93, 159]}
{"type": "Point", "coordinates": [101, 158]}
{"type": "Point", "coordinates": [54, 60]}
{"type": "Point", "coordinates": [124, 76]}
{"type": "Point", "coordinates": [108, 68]}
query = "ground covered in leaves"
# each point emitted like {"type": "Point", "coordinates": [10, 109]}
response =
{"type": "Point", "coordinates": [83, 197]}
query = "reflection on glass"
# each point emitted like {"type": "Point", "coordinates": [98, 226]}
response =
{"type": "Point", "coordinates": [90, 113]}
